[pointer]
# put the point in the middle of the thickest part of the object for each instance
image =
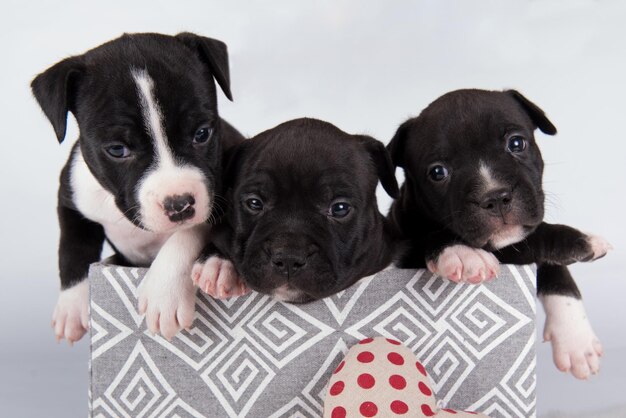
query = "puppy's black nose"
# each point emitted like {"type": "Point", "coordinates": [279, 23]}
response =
{"type": "Point", "coordinates": [497, 202]}
{"type": "Point", "coordinates": [179, 207]}
{"type": "Point", "coordinates": [288, 263]}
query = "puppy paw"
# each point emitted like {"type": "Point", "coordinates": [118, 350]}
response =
{"type": "Point", "coordinates": [575, 347]}
{"type": "Point", "coordinates": [586, 248]}
{"type": "Point", "coordinates": [460, 263]}
{"type": "Point", "coordinates": [168, 301]}
{"type": "Point", "coordinates": [218, 278]}
{"type": "Point", "coordinates": [70, 319]}
{"type": "Point", "coordinates": [598, 247]}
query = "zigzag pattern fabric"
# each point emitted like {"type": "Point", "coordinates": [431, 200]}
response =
{"type": "Point", "coordinates": [255, 357]}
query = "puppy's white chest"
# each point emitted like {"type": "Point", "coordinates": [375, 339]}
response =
{"type": "Point", "coordinates": [139, 246]}
{"type": "Point", "coordinates": [97, 204]}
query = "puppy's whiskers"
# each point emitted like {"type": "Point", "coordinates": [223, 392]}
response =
{"type": "Point", "coordinates": [134, 219]}
{"type": "Point", "coordinates": [218, 211]}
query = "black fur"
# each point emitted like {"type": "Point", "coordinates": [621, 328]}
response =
{"type": "Point", "coordinates": [99, 90]}
{"type": "Point", "coordinates": [299, 169]}
{"type": "Point", "coordinates": [457, 131]}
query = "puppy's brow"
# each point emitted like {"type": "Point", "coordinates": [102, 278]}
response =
{"type": "Point", "coordinates": [513, 128]}
{"type": "Point", "coordinates": [260, 180]}
{"type": "Point", "coordinates": [334, 189]}
{"type": "Point", "coordinates": [435, 153]}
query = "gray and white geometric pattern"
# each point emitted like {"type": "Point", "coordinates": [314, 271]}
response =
{"type": "Point", "coordinates": [255, 357]}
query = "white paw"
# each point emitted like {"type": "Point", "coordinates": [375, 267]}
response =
{"type": "Point", "coordinates": [168, 301]}
{"type": "Point", "coordinates": [218, 278]}
{"type": "Point", "coordinates": [599, 246]}
{"type": "Point", "coordinates": [575, 347]}
{"type": "Point", "coordinates": [70, 319]}
{"type": "Point", "coordinates": [461, 263]}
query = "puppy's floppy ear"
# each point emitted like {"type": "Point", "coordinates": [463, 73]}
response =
{"type": "Point", "coordinates": [55, 90]}
{"type": "Point", "coordinates": [536, 114]}
{"type": "Point", "coordinates": [397, 144]}
{"type": "Point", "coordinates": [214, 53]}
{"type": "Point", "coordinates": [386, 170]}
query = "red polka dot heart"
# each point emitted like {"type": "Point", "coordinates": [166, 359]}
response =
{"type": "Point", "coordinates": [380, 377]}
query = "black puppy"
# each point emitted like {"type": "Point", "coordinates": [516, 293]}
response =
{"type": "Point", "coordinates": [303, 223]}
{"type": "Point", "coordinates": [145, 170]}
{"type": "Point", "coordinates": [473, 186]}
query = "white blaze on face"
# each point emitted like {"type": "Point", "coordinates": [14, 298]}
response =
{"type": "Point", "coordinates": [167, 177]}
{"type": "Point", "coordinates": [489, 182]}
{"type": "Point", "coordinates": [506, 234]}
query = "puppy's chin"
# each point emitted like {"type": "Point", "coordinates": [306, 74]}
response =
{"type": "Point", "coordinates": [288, 293]}
{"type": "Point", "coordinates": [507, 235]}
{"type": "Point", "coordinates": [297, 290]}
{"type": "Point", "coordinates": [493, 233]}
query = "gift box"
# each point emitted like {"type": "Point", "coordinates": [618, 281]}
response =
{"type": "Point", "coordinates": [253, 356]}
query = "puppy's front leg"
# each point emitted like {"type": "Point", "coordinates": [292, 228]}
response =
{"type": "Point", "coordinates": [216, 276]}
{"type": "Point", "coordinates": [80, 245]}
{"type": "Point", "coordinates": [166, 295]}
{"type": "Point", "coordinates": [555, 244]}
{"type": "Point", "coordinates": [575, 347]}
{"type": "Point", "coordinates": [213, 271]}
{"type": "Point", "coordinates": [565, 245]}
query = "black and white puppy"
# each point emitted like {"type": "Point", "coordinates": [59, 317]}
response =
{"type": "Point", "coordinates": [473, 190]}
{"type": "Point", "coordinates": [303, 222]}
{"type": "Point", "coordinates": [145, 170]}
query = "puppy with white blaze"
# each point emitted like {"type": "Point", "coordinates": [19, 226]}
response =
{"type": "Point", "coordinates": [145, 172]}
{"type": "Point", "coordinates": [473, 196]}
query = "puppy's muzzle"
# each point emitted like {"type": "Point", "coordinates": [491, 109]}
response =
{"type": "Point", "coordinates": [179, 207]}
{"type": "Point", "coordinates": [289, 264]}
{"type": "Point", "coordinates": [497, 202]}
{"type": "Point", "coordinates": [290, 257]}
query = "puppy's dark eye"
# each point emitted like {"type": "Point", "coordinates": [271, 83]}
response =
{"type": "Point", "coordinates": [340, 209]}
{"type": "Point", "coordinates": [202, 135]}
{"type": "Point", "coordinates": [118, 151]}
{"type": "Point", "coordinates": [254, 204]}
{"type": "Point", "coordinates": [516, 144]}
{"type": "Point", "coordinates": [438, 173]}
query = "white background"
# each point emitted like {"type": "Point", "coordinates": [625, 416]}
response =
{"type": "Point", "coordinates": [364, 66]}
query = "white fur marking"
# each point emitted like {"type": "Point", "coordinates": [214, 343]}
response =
{"type": "Point", "coordinates": [575, 346]}
{"type": "Point", "coordinates": [507, 235]}
{"type": "Point", "coordinates": [598, 245]}
{"type": "Point", "coordinates": [485, 172]}
{"type": "Point", "coordinates": [97, 204]}
{"type": "Point", "coordinates": [166, 177]}
{"type": "Point", "coordinates": [70, 318]}
{"type": "Point", "coordinates": [153, 117]}
{"type": "Point", "coordinates": [161, 183]}
{"type": "Point", "coordinates": [286, 293]}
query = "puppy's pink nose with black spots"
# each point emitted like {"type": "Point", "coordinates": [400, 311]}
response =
{"type": "Point", "coordinates": [179, 207]}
